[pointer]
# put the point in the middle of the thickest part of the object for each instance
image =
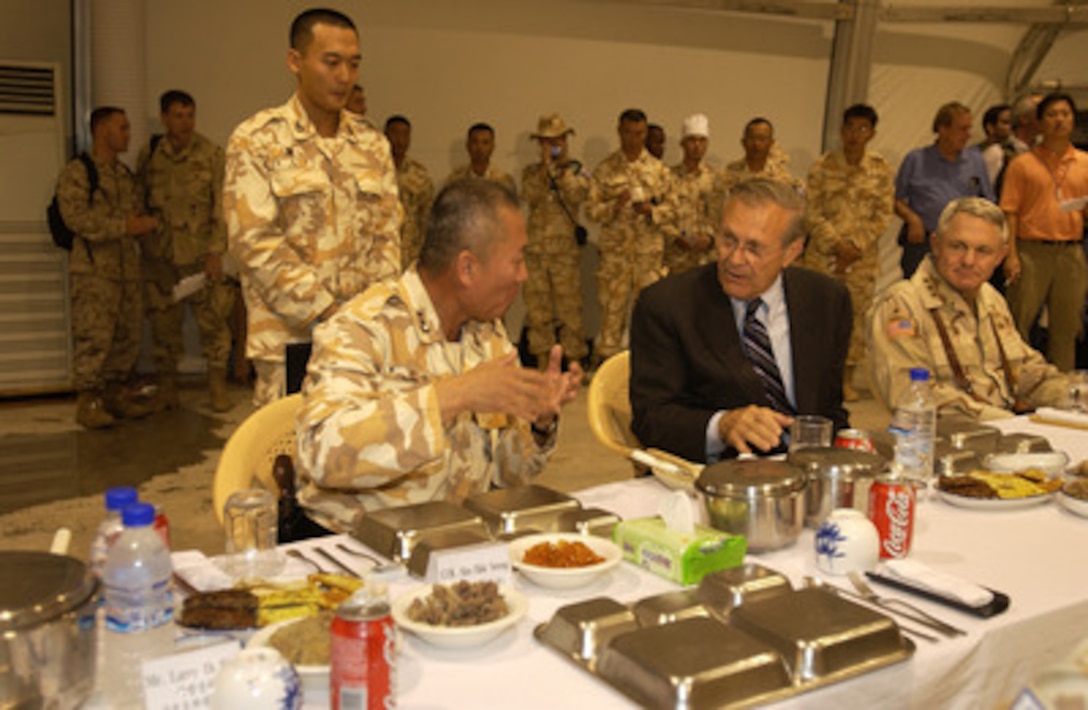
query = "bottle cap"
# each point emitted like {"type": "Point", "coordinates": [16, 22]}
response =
{"type": "Point", "coordinates": [120, 497]}
{"type": "Point", "coordinates": [919, 374]}
{"type": "Point", "coordinates": [138, 515]}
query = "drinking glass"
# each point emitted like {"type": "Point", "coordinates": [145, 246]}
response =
{"type": "Point", "coordinates": [250, 522]}
{"type": "Point", "coordinates": [808, 431]}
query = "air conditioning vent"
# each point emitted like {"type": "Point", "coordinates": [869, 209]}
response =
{"type": "Point", "coordinates": [27, 90]}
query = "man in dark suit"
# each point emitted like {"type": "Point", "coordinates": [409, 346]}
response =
{"type": "Point", "coordinates": [723, 356]}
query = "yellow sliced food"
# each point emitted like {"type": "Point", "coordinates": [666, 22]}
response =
{"type": "Point", "coordinates": [1009, 485]}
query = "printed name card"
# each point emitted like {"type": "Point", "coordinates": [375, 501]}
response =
{"type": "Point", "coordinates": [487, 561]}
{"type": "Point", "coordinates": [184, 681]}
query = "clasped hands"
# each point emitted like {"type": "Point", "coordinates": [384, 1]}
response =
{"type": "Point", "coordinates": [752, 427]}
{"type": "Point", "coordinates": [501, 385]}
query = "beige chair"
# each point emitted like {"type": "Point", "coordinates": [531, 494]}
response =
{"type": "Point", "coordinates": [252, 450]}
{"type": "Point", "coordinates": [608, 404]}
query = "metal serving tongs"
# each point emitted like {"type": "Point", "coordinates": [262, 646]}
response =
{"type": "Point", "coordinates": [902, 608]}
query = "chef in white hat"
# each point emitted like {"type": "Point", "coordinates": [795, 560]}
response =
{"type": "Point", "coordinates": [699, 195]}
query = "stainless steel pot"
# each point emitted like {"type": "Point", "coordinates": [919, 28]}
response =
{"type": "Point", "coordinates": [760, 499]}
{"type": "Point", "coordinates": [837, 478]}
{"type": "Point", "coordinates": [47, 630]}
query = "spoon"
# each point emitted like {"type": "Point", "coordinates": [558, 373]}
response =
{"type": "Point", "coordinates": [379, 566]}
{"type": "Point", "coordinates": [291, 552]}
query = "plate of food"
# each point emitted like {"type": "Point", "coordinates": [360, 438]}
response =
{"type": "Point", "coordinates": [260, 605]}
{"type": "Point", "coordinates": [1074, 496]}
{"type": "Point", "coordinates": [460, 615]}
{"type": "Point", "coordinates": [305, 643]}
{"type": "Point", "coordinates": [990, 490]}
{"type": "Point", "coordinates": [564, 560]}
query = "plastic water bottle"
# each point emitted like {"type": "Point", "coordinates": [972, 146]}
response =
{"type": "Point", "coordinates": [110, 528]}
{"type": "Point", "coordinates": [914, 424]}
{"type": "Point", "coordinates": [139, 604]}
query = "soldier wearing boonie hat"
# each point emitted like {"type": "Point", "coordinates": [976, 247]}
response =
{"type": "Point", "coordinates": [554, 190]}
{"type": "Point", "coordinates": [699, 196]}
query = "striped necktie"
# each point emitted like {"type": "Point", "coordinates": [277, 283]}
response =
{"type": "Point", "coordinates": [757, 348]}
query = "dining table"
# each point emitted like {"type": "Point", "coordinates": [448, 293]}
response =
{"type": "Point", "coordinates": [1036, 555]}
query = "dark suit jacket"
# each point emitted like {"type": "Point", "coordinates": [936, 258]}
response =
{"type": "Point", "coordinates": [687, 362]}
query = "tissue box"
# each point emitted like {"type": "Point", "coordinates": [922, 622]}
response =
{"type": "Point", "coordinates": [681, 557]}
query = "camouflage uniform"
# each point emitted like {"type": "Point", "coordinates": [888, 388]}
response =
{"type": "Point", "coordinates": [313, 221]}
{"type": "Point", "coordinates": [103, 272]}
{"type": "Point", "coordinates": [493, 174]}
{"type": "Point", "coordinates": [776, 168]}
{"type": "Point", "coordinates": [632, 245]}
{"type": "Point", "coordinates": [902, 335]}
{"type": "Point", "coordinates": [853, 204]}
{"type": "Point", "coordinates": [553, 292]}
{"type": "Point", "coordinates": [416, 196]}
{"type": "Point", "coordinates": [699, 198]}
{"type": "Point", "coordinates": [370, 433]}
{"type": "Point", "coordinates": [184, 190]}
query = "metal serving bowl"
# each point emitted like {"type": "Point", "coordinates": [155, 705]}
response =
{"type": "Point", "coordinates": [837, 478]}
{"type": "Point", "coordinates": [47, 630]}
{"type": "Point", "coordinates": [760, 499]}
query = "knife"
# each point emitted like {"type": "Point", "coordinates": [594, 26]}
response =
{"type": "Point", "coordinates": [343, 567]}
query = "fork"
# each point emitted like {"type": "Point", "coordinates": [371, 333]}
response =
{"type": "Point", "coordinates": [904, 609]}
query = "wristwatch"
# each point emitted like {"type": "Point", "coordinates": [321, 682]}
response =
{"type": "Point", "coordinates": [547, 431]}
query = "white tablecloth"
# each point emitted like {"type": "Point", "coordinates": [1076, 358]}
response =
{"type": "Point", "coordinates": [1037, 556]}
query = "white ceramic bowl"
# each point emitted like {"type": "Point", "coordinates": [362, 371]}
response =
{"type": "Point", "coordinates": [315, 679]}
{"type": "Point", "coordinates": [258, 678]}
{"type": "Point", "coordinates": [847, 542]}
{"type": "Point", "coordinates": [1052, 463]}
{"type": "Point", "coordinates": [1074, 505]}
{"type": "Point", "coordinates": [565, 577]}
{"type": "Point", "coordinates": [459, 636]}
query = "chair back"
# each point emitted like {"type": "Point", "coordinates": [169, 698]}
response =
{"type": "Point", "coordinates": [608, 404]}
{"type": "Point", "coordinates": [252, 449]}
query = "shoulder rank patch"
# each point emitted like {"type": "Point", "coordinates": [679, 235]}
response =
{"type": "Point", "coordinates": [899, 327]}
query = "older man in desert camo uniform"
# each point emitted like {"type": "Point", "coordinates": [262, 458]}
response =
{"type": "Point", "coordinates": [181, 181]}
{"type": "Point", "coordinates": [104, 273]}
{"type": "Point", "coordinates": [851, 199]}
{"type": "Point", "coordinates": [414, 391]}
{"type": "Point", "coordinates": [631, 197]}
{"type": "Point", "coordinates": [699, 198]}
{"type": "Point", "coordinates": [414, 186]}
{"type": "Point", "coordinates": [310, 199]}
{"type": "Point", "coordinates": [554, 189]}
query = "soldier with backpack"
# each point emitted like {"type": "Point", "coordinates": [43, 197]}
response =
{"type": "Point", "coordinates": [180, 177]}
{"type": "Point", "coordinates": [104, 272]}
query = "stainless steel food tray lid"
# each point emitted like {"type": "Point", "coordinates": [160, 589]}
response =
{"type": "Point", "coordinates": [837, 461]}
{"type": "Point", "coordinates": [750, 476]}
{"type": "Point", "coordinates": [39, 587]}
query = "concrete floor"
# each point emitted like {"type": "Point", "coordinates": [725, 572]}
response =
{"type": "Point", "coordinates": [53, 473]}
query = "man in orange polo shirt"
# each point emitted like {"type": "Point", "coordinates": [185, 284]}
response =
{"type": "Point", "coordinates": [1044, 199]}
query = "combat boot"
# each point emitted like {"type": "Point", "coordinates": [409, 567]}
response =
{"type": "Point", "coordinates": [121, 406]}
{"type": "Point", "coordinates": [91, 411]}
{"type": "Point", "coordinates": [217, 389]}
{"type": "Point", "coordinates": [167, 395]}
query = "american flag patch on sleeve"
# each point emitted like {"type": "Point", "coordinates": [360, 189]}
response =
{"type": "Point", "coordinates": [899, 327]}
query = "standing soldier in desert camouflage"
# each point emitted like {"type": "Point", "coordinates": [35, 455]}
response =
{"type": "Point", "coordinates": [480, 144]}
{"type": "Point", "coordinates": [181, 182]}
{"type": "Point", "coordinates": [414, 187]}
{"type": "Point", "coordinates": [104, 273]}
{"type": "Point", "coordinates": [310, 199]}
{"type": "Point", "coordinates": [554, 189]}
{"type": "Point", "coordinates": [851, 199]}
{"type": "Point", "coordinates": [762, 157]}
{"type": "Point", "coordinates": [631, 197]}
{"type": "Point", "coordinates": [699, 198]}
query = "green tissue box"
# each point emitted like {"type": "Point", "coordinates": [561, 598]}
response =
{"type": "Point", "coordinates": [682, 558]}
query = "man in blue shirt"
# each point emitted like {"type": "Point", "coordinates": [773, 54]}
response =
{"type": "Point", "coordinates": [931, 177]}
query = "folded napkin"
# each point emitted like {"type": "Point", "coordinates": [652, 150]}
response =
{"type": "Point", "coordinates": [1062, 416]}
{"type": "Point", "coordinates": [937, 582]}
{"type": "Point", "coordinates": [207, 574]}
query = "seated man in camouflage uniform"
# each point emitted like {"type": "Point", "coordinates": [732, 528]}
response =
{"type": "Point", "coordinates": [414, 392]}
{"type": "Point", "coordinates": [950, 320]}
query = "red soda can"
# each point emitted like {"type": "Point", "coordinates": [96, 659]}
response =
{"type": "Point", "coordinates": [363, 647]}
{"type": "Point", "coordinates": [891, 508]}
{"type": "Point", "coordinates": [162, 526]}
{"type": "Point", "coordinates": [857, 439]}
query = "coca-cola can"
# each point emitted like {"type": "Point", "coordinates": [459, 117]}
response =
{"type": "Point", "coordinates": [363, 650]}
{"type": "Point", "coordinates": [857, 439]}
{"type": "Point", "coordinates": [892, 503]}
{"type": "Point", "coordinates": [162, 526]}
